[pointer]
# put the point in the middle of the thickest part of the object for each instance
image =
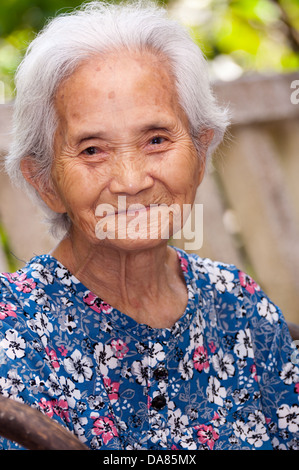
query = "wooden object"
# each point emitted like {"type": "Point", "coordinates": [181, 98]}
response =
{"type": "Point", "coordinates": [33, 430]}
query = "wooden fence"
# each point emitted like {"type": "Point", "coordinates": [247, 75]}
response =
{"type": "Point", "coordinates": [250, 194]}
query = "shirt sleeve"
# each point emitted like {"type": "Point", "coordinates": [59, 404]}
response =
{"type": "Point", "coordinates": [26, 374]}
{"type": "Point", "coordinates": [277, 367]}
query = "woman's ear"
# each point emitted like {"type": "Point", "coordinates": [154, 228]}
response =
{"type": "Point", "coordinates": [48, 194]}
{"type": "Point", "coordinates": [205, 138]}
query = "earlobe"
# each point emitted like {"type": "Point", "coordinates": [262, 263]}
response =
{"type": "Point", "coordinates": [48, 194]}
{"type": "Point", "coordinates": [205, 139]}
{"type": "Point", "coordinates": [201, 171]}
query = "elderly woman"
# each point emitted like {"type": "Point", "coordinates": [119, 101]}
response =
{"type": "Point", "coordinates": [125, 340]}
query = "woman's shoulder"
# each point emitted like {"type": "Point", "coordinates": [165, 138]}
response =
{"type": "Point", "coordinates": [33, 286]}
{"type": "Point", "coordinates": [16, 289]}
{"type": "Point", "coordinates": [233, 291]}
{"type": "Point", "coordinates": [26, 278]}
{"type": "Point", "coordinates": [222, 277]}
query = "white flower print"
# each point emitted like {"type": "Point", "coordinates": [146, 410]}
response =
{"type": "Point", "coordinates": [42, 324]}
{"type": "Point", "coordinates": [79, 424]}
{"type": "Point", "coordinates": [289, 373]}
{"type": "Point", "coordinates": [159, 436]}
{"type": "Point", "coordinates": [256, 418]}
{"type": "Point", "coordinates": [254, 432]}
{"type": "Point", "coordinates": [215, 392]}
{"type": "Point", "coordinates": [219, 417]}
{"type": "Point", "coordinates": [13, 344]}
{"type": "Point", "coordinates": [257, 436]}
{"type": "Point", "coordinates": [241, 396]}
{"type": "Point", "coordinates": [53, 385]}
{"type": "Point", "coordinates": [288, 417]}
{"type": "Point", "coordinates": [14, 381]}
{"type": "Point", "coordinates": [158, 432]}
{"type": "Point", "coordinates": [39, 296]}
{"type": "Point", "coordinates": [95, 402]}
{"type": "Point", "coordinates": [67, 322]}
{"type": "Point", "coordinates": [79, 366]}
{"type": "Point", "coordinates": [155, 353]}
{"type": "Point", "coordinates": [186, 367]}
{"type": "Point", "coordinates": [258, 432]}
{"type": "Point", "coordinates": [187, 441]}
{"type": "Point", "coordinates": [43, 275]}
{"type": "Point", "coordinates": [243, 346]}
{"type": "Point", "coordinates": [66, 301]}
{"type": "Point", "coordinates": [268, 310]}
{"type": "Point", "coordinates": [222, 279]}
{"type": "Point", "coordinates": [4, 386]}
{"type": "Point", "coordinates": [65, 277]}
{"type": "Point", "coordinates": [195, 332]}
{"type": "Point", "coordinates": [37, 385]}
{"type": "Point", "coordinates": [104, 355]}
{"type": "Point", "coordinates": [278, 445]}
{"type": "Point", "coordinates": [71, 393]}
{"type": "Point", "coordinates": [241, 429]}
{"type": "Point", "coordinates": [223, 364]}
{"type": "Point", "coordinates": [141, 370]}
{"type": "Point", "coordinates": [178, 423]}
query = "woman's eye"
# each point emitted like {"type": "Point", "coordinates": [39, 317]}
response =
{"type": "Point", "coordinates": [90, 151]}
{"type": "Point", "coordinates": [157, 140]}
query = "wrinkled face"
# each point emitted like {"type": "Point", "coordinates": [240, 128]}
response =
{"type": "Point", "coordinates": [122, 137]}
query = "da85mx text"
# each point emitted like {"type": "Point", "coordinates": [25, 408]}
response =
{"type": "Point", "coordinates": [171, 459]}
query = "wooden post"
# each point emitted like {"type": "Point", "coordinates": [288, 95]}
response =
{"type": "Point", "coordinates": [33, 430]}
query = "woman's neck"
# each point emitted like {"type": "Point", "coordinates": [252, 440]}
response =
{"type": "Point", "coordinates": [147, 285]}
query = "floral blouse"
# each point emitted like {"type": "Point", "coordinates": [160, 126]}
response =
{"type": "Point", "coordinates": [225, 376]}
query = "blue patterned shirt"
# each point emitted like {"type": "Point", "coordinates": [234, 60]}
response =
{"type": "Point", "coordinates": [225, 376]}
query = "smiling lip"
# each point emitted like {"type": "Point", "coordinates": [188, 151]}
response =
{"type": "Point", "coordinates": [133, 209]}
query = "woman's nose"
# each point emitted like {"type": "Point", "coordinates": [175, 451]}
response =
{"type": "Point", "coordinates": [130, 176]}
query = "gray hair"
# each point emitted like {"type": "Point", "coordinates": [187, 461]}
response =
{"type": "Point", "coordinates": [71, 38]}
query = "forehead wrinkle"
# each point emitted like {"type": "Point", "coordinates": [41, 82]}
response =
{"type": "Point", "coordinates": [166, 124]}
{"type": "Point", "coordinates": [71, 108]}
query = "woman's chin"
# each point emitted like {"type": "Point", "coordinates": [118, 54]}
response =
{"type": "Point", "coordinates": [129, 244]}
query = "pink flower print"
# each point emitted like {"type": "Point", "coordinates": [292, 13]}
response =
{"type": "Point", "coordinates": [253, 372]}
{"type": "Point", "coordinates": [106, 308]}
{"type": "Point", "coordinates": [246, 281]}
{"type": "Point", "coordinates": [25, 284]}
{"type": "Point", "coordinates": [53, 358]}
{"type": "Point", "coordinates": [184, 264]}
{"type": "Point", "coordinates": [63, 351]}
{"type": "Point", "coordinates": [297, 387]}
{"type": "Point", "coordinates": [207, 435]}
{"type": "Point", "coordinates": [104, 427]}
{"type": "Point", "coordinates": [60, 408]}
{"type": "Point", "coordinates": [93, 301]}
{"type": "Point", "coordinates": [212, 347]}
{"type": "Point", "coordinates": [46, 407]}
{"type": "Point", "coordinates": [7, 310]}
{"type": "Point", "coordinates": [119, 348]}
{"type": "Point", "coordinates": [200, 359]}
{"type": "Point", "coordinates": [12, 277]}
{"type": "Point", "coordinates": [96, 303]}
{"type": "Point", "coordinates": [111, 389]}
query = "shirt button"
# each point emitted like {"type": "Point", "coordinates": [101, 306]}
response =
{"type": "Point", "coordinates": [159, 402]}
{"type": "Point", "coordinates": [160, 373]}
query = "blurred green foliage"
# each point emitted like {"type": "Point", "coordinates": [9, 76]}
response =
{"type": "Point", "coordinates": [254, 34]}
{"type": "Point", "coordinates": [258, 35]}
